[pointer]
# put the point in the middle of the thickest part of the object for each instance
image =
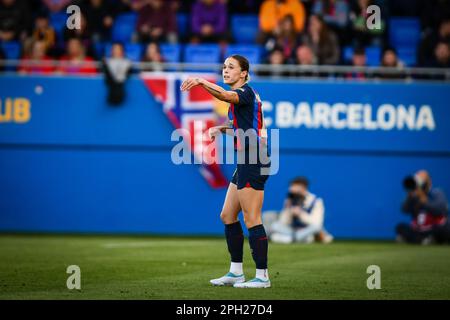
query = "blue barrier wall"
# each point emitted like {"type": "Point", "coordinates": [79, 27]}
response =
{"type": "Point", "coordinates": [77, 165]}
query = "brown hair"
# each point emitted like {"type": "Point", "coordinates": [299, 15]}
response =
{"type": "Point", "coordinates": [300, 180]}
{"type": "Point", "coordinates": [243, 63]}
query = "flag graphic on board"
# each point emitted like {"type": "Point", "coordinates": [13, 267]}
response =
{"type": "Point", "coordinates": [192, 110]}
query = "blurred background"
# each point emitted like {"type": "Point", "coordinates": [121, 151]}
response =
{"type": "Point", "coordinates": [86, 114]}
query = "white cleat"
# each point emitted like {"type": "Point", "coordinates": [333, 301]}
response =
{"type": "Point", "coordinates": [228, 280]}
{"type": "Point", "coordinates": [254, 283]}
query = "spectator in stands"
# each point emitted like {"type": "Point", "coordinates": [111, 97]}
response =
{"type": "Point", "coordinates": [322, 40]}
{"type": "Point", "coordinates": [390, 60]}
{"type": "Point", "coordinates": [43, 31]}
{"type": "Point", "coordinates": [117, 69]}
{"type": "Point", "coordinates": [272, 11]}
{"type": "Point", "coordinates": [301, 219]}
{"type": "Point", "coordinates": [156, 21]}
{"type": "Point", "coordinates": [54, 6]}
{"type": "Point", "coordinates": [84, 34]}
{"type": "Point", "coordinates": [276, 60]}
{"type": "Point", "coordinates": [76, 61]}
{"type": "Point", "coordinates": [209, 21]}
{"type": "Point", "coordinates": [428, 208]}
{"type": "Point", "coordinates": [359, 59]}
{"type": "Point", "coordinates": [361, 35]}
{"type": "Point", "coordinates": [336, 14]}
{"type": "Point", "coordinates": [100, 18]}
{"type": "Point", "coordinates": [304, 56]}
{"type": "Point", "coordinates": [430, 41]}
{"type": "Point", "coordinates": [441, 55]}
{"type": "Point", "coordinates": [284, 37]}
{"type": "Point", "coordinates": [37, 61]}
{"type": "Point", "coordinates": [15, 20]}
{"type": "Point", "coordinates": [153, 54]}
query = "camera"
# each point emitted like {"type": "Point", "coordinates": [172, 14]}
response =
{"type": "Point", "coordinates": [413, 182]}
{"type": "Point", "coordinates": [296, 199]}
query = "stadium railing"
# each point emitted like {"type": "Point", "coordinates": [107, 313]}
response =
{"type": "Point", "coordinates": [264, 70]}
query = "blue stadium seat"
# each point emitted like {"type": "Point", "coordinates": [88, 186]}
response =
{"type": "Point", "coordinates": [11, 49]}
{"type": "Point", "coordinates": [404, 32]}
{"type": "Point", "coordinates": [58, 22]}
{"type": "Point", "coordinates": [373, 54]}
{"type": "Point", "coordinates": [133, 51]}
{"type": "Point", "coordinates": [171, 52]}
{"type": "Point", "coordinates": [347, 54]}
{"type": "Point", "coordinates": [124, 27]}
{"type": "Point", "coordinates": [251, 52]}
{"type": "Point", "coordinates": [244, 28]}
{"type": "Point", "coordinates": [182, 24]}
{"type": "Point", "coordinates": [202, 53]}
{"type": "Point", "coordinates": [99, 49]}
{"type": "Point", "coordinates": [407, 55]}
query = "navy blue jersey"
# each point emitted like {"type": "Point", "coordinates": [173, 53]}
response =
{"type": "Point", "coordinates": [248, 113]}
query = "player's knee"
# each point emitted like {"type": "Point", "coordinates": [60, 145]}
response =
{"type": "Point", "coordinates": [226, 217]}
{"type": "Point", "coordinates": [252, 221]}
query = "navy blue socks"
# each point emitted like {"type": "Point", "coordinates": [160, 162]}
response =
{"type": "Point", "coordinates": [258, 245]}
{"type": "Point", "coordinates": [235, 241]}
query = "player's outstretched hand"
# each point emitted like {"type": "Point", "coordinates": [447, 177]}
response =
{"type": "Point", "coordinates": [213, 132]}
{"type": "Point", "coordinates": [189, 83]}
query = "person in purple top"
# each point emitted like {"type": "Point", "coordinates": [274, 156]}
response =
{"type": "Point", "coordinates": [208, 21]}
{"type": "Point", "coordinates": [156, 20]}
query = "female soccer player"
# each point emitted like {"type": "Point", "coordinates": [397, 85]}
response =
{"type": "Point", "coordinates": [246, 190]}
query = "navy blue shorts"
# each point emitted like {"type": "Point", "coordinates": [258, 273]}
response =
{"type": "Point", "coordinates": [249, 176]}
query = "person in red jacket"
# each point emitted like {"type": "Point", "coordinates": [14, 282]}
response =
{"type": "Point", "coordinates": [37, 60]}
{"type": "Point", "coordinates": [75, 61]}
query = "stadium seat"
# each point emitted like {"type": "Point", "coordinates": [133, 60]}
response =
{"type": "Point", "coordinates": [408, 55]}
{"type": "Point", "coordinates": [58, 22]}
{"type": "Point", "coordinates": [11, 49]}
{"type": "Point", "coordinates": [244, 28]}
{"type": "Point", "coordinates": [99, 49]}
{"type": "Point", "coordinates": [182, 24]}
{"type": "Point", "coordinates": [251, 52]}
{"type": "Point", "coordinates": [124, 27]}
{"type": "Point", "coordinates": [202, 53]}
{"type": "Point", "coordinates": [404, 32]}
{"type": "Point", "coordinates": [373, 54]}
{"type": "Point", "coordinates": [171, 52]}
{"type": "Point", "coordinates": [133, 51]}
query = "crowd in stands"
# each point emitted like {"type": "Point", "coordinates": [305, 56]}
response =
{"type": "Point", "coordinates": [289, 32]}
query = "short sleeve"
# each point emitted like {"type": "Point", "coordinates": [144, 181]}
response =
{"type": "Point", "coordinates": [246, 96]}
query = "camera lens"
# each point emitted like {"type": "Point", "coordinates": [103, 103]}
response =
{"type": "Point", "coordinates": [409, 183]}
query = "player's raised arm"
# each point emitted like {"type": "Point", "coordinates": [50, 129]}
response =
{"type": "Point", "coordinates": [217, 91]}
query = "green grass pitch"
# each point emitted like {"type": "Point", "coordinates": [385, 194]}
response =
{"type": "Point", "coordinates": [120, 267]}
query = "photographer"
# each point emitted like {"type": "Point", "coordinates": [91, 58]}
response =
{"type": "Point", "coordinates": [428, 208]}
{"type": "Point", "coordinates": [301, 219]}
